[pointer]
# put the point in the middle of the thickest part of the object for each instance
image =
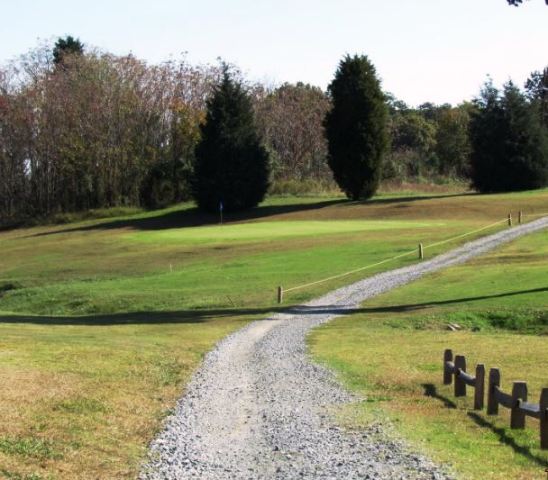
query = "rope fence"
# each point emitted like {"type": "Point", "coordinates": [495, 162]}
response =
{"type": "Point", "coordinates": [281, 291]}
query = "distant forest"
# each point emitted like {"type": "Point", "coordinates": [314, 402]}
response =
{"type": "Point", "coordinates": [82, 129]}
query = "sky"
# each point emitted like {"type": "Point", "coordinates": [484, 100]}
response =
{"type": "Point", "coordinates": [424, 50]}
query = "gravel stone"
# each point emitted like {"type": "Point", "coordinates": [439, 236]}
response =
{"type": "Point", "coordinates": [258, 408]}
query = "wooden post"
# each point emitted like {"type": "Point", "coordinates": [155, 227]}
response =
{"type": "Point", "coordinates": [460, 386]}
{"type": "Point", "coordinates": [509, 219]}
{"type": "Point", "coordinates": [280, 294]}
{"type": "Point", "coordinates": [543, 404]}
{"type": "Point", "coordinates": [494, 381]}
{"type": "Point", "coordinates": [520, 217]}
{"type": "Point", "coordinates": [479, 394]}
{"type": "Point", "coordinates": [517, 416]}
{"type": "Point", "coordinates": [421, 251]}
{"type": "Point", "coordinates": [447, 374]}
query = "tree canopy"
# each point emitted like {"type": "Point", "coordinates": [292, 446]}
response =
{"type": "Point", "coordinates": [356, 127]}
{"type": "Point", "coordinates": [290, 121]}
{"type": "Point", "coordinates": [66, 46]}
{"type": "Point", "coordinates": [232, 167]}
{"type": "Point", "coordinates": [509, 142]}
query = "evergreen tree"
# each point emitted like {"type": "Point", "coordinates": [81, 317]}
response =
{"type": "Point", "coordinates": [509, 143]}
{"type": "Point", "coordinates": [536, 89]}
{"type": "Point", "coordinates": [231, 166]}
{"type": "Point", "coordinates": [356, 127]}
{"type": "Point", "coordinates": [66, 46]}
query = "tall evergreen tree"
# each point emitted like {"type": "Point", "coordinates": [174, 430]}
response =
{"type": "Point", "coordinates": [509, 143]}
{"type": "Point", "coordinates": [232, 167]}
{"type": "Point", "coordinates": [356, 127]}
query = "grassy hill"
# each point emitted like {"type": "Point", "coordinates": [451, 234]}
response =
{"type": "Point", "coordinates": [391, 352]}
{"type": "Point", "coordinates": [103, 321]}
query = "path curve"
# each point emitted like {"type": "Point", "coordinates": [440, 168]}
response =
{"type": "Point", "coordinates": [258, 407]}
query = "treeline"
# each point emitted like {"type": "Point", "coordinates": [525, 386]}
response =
{"type": "Point", "coordinates": [428, 143]}
{"type": "Point", "coordinates": [82, 129]}
{"type": "Point", "coordinates": [88, 130]}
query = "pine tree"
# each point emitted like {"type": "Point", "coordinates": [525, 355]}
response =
{"type": "Point", "coordinates": [509, 142]}
{"type": "Point", "coordinates": [231, 166]}
{"type": "Point", "coordinates": [67, 46]}
{"type": "Point", "coordinates": [356, 127]}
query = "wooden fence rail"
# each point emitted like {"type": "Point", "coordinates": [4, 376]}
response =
{"type": "Point", "coordinates": [454, 371]}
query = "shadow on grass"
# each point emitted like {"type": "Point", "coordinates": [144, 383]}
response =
{"type": "Point", "coordinates": [194, 217]}
{"type": "Point", "coordinates": [396, 199]}
{"type": "Point", "coordinates": [204, 315]}
{"type": "Point", "coordinates": [181, 316]}
{"type": "Point", "coordinates": [418, 306]}
{"type": "Point", "coordinates": [135, 318]}
{"type": "Point", "coordinates": [508, 440]}
{"type": "Point", "coordinates": [431, 391]}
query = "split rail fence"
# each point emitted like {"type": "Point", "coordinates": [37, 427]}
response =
{"type": "Point", "coordinates": [454, 371]}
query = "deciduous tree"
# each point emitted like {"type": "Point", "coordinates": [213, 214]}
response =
{"type": "Point", "coordinates": [290, 119]}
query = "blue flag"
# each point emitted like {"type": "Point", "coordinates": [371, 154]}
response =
{"type": "Point", "coordinates": [220, 206]}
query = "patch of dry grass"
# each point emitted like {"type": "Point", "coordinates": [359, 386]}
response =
{"type": "Point", "coordinates": [84, 401]}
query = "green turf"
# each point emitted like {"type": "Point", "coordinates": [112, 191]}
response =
{"type": "Point", "coordinates": [103, 321]}
{"type": "Point", "coordinates": [265, 231]}
{"type": "Point", "coordinates": [391, 349]}
{"type": "Point", "coordinates": [175, 260]}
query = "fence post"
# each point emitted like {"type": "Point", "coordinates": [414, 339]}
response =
{"type": "Point", "coordinates": [520, 217]}
{"type": "Point", "coordinates": [509, 219]}
{"type": "Point", "coordinates": [460, 386]}
{"type": "Point", "coordinates": [479, 394]}
{"type": "Point", "coordinates": [280, 294]}
{"type": "Point", "coordinates": [543, 404]}
{"type": "Point", "coordinates": [447, 374]}
{"type": "Point", "coordinates": [517, 416]}
{"type": "Point", "coordinates": [421, 251]}
{"type": "Point", "coordinates": [494, 381]}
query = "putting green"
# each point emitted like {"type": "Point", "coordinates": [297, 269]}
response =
{"type": "Point", "coordinates": [255, 231]}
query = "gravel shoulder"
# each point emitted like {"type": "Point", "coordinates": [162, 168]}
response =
{"type": "Point", "coordinates": [258, 408]}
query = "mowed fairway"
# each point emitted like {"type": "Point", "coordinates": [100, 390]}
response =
{"type": "Point", "coordinates": [391, 353]}
{"type": "Point", "coordinates": [104, 321]}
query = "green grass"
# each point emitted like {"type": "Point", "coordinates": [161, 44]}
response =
{"type": "Point", "coordinates": [176, 260]}
{"type": "Point", "coordinates": [391, 350]}
{"type": "Point", "coordinates": [28, 447]}
{"type": "Point", "coordinates": [103, 321]}
{"type": "Point", "coordinates": [284, 230]}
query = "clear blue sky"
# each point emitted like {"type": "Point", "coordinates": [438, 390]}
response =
{"type": "Point", "coordinates": [436, 50]}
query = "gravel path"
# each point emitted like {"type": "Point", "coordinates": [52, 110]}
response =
{"type": "Point", "coordinates": [258, 408]}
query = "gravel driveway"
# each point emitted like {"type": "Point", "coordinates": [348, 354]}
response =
{"type": "Point", "coordinates": [258, 408]}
